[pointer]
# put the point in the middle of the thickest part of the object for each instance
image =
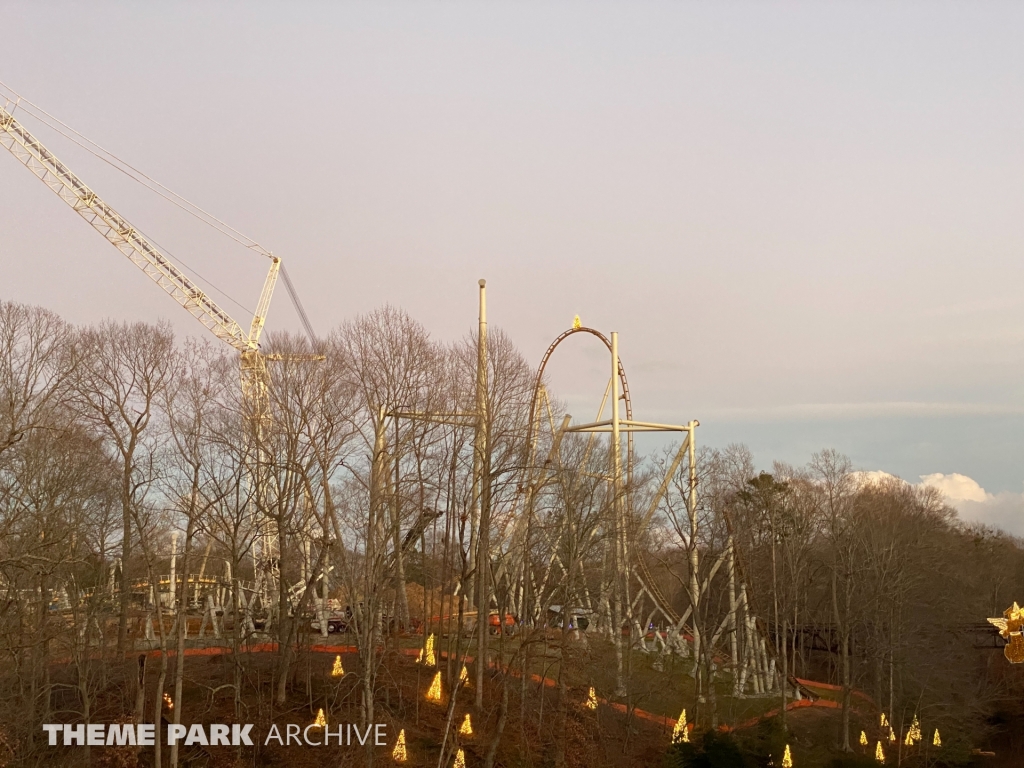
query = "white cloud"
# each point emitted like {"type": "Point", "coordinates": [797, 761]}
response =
{"type": "Point", "coordinates": [956, 487]}
{"type": "Point", "coordinates": [871, 476]}
{"type": "Point", "coordinates": [1002, 510]}
{"type": "Point", "coordinates": [972, 502]}
{"type": "Point", "coordinates": [976, 505]}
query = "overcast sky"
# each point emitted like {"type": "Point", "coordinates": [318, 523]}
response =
{"type": "Point", "coordinates": [804, 220]}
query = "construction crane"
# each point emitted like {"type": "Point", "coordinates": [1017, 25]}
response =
{"type": "Point", "coordinates": [133, 244]}
{"type": "Point", "coordinates": [144, 254]}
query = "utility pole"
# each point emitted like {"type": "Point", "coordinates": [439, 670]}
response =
{"type": "Point", "coordinates": [482, 481]}
{"type": "Point", "coordinates": [618, 560]}
{"type": "Point", "coordinates": [694, 557]}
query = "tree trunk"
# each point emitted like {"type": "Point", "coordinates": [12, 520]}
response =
{"type": "Point", "coordinates": [126, 555]}
{"type": "Point", "coordinates": [181, 624]}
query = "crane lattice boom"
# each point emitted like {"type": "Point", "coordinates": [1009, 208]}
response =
{"type": "Point", "coordinates": [123, 236]}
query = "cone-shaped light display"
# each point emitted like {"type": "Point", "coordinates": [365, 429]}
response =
{"type": "Point", "coordinates": [680, 734]}
{"type": "Point", "coordinates": [398, 754]}
{"type": "Point", "coordinates": [337, 670]}
{"type": "Point", "coordinates": [429, 658]}
{"type": "Point", "coordinates": [466, 729]}
{"type": "Point", "coordinates": [434, 693]}
{"type": "Point", "coordinates": [915, 730]}
{"type": "Point", "coordinates": [591, 699]}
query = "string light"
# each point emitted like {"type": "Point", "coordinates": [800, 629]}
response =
{"type": "Point", "coordinates": [399, 754]}
{"type": "Point", "coordinates": [427, 656]}
{"type": "Point", "coordinates": [466, 729]}
{"type": "Point", "coordinates": [879, 754]}
{"type": "Point", "coordinates": [936, 741]}
{"type": "Point", "coordinates": [882, 722]}
{"type": "Point", "coordinates": [892, 735]}
{"type": "Point", "coordinates": [576, 324]}
{"type": "Point", "coordinates": [909, 741]}
{"type": "Point", "coordinates": [320, 721]}
{"type": "Point", "coordinates": [680, 734]}
{"type": "Point", "coordinates": [915, 730]}
{"type": "Point", "coordinates": [168, 701]}
{"type": "Point", "coordinates": [460, 760]}
{"type": "Point", "coordinates": [863, 739]}
{"type": "Point", "coordinates": [337, 670]}
{"type": "Point", "coordinates": [464, 675]}
{"type": "Point", "coordinates": [434, 694]}
{"type": "Point", "coordinates": [787, 758]}
{"type": "Point", "coordinates": [592, 699]}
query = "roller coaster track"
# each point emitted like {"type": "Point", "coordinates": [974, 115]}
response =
{"type": "Point", "coordinates": [643, 572]}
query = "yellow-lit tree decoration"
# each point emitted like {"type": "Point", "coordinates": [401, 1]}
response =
{"type": "Point", "coordinates": [936, 741]}
{"type": "Point", "coordinates": [863, 739]}
{"type": "Point", "coordinates": [466, 729]}
{"type": "Point", "coordinates": [892, 735]}
{"type": "Point", "coordinates": [915, 730]}
{"type": "Point", "coordinates": [464, 675]}
{"type": "Point", "coordinates": [882, 721]}
{"type": "Point", "coordinates": [879, 754]}
{"type": "Point", "coordinates": [398, 754]}
{"type": "Point", "coordinates": [337, 670]}
{"type": "Point", "coordinates": [460, 760]}
{"type": "Point", "coordinates": [680, 734]}
{"type": "Point", "coordinates": [909, 741]}
{"type": "Point", "coordinates": [787, 758]}
{"type": "Point", "coordinates": [320, 720]}
{"type": "Point", "coordinates": [427, 656]}
{"type": "Point", "coordinates": [591, 699]}
{"type": "Point", "coordinates": [168, 701]}
{"type": "Point", "coordinates": [576, 324]}
{"type": "Point", "coordinates": [434, 692]}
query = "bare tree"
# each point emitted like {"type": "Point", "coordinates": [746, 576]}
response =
{"type": "Point", "coordinates": [121, 372]}
{"type": "Point", "coordinates": [35, 363]}
{"type": "Point", "coordinates": [387, 355]}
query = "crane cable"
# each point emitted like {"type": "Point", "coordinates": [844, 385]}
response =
{"type": "Point", "coordinates": [171, 196]}
{"type": "Point", "coordinates": [18, 102]}
{"type": "Point", "coordinates": [293, 294]}
{"type": "Point", "coordinates": [147, 181]}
